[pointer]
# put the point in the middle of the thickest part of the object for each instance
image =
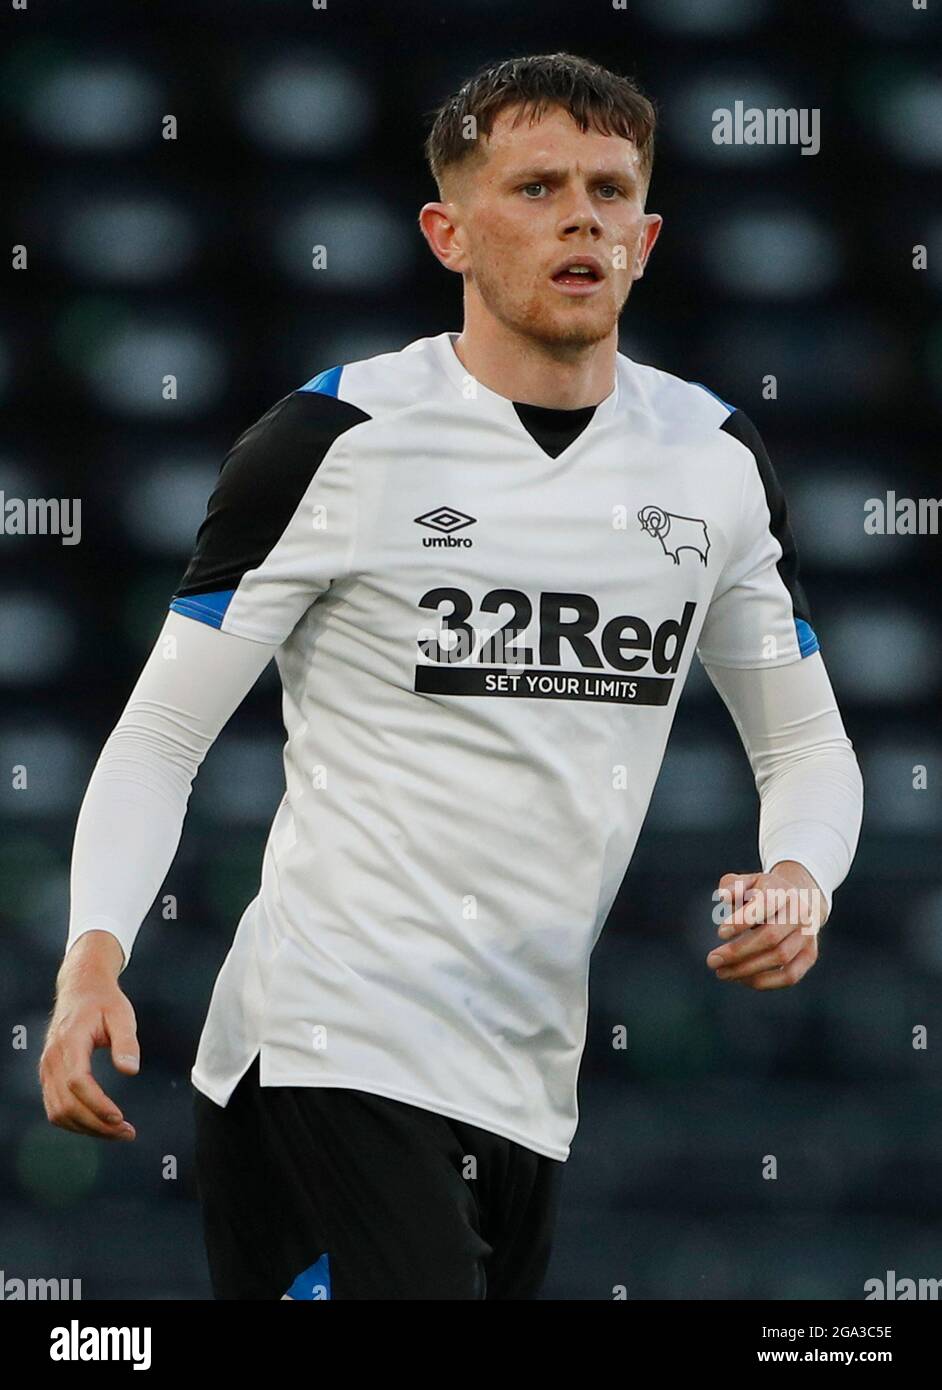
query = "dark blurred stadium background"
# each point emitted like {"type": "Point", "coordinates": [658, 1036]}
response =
{"type": "Point", "coordinates": [193, 256]}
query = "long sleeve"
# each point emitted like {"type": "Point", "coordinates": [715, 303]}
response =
{"type": "Point", "coordinates": [806, 772]}
{"type": "Point", "coordinates": [131, 818]}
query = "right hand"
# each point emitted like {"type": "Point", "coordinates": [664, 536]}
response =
{"type": "Point", "coordinates": [90, 1011]}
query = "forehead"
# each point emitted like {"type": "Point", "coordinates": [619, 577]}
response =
{"type": "Point", "coordinates": [555, 140]}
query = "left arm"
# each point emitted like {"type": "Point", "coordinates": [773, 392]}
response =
{"type": "Point", "coordinates": [760, 651]}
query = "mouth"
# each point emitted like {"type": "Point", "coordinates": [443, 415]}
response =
{"type": "Point", "coordinates": [580, 276]}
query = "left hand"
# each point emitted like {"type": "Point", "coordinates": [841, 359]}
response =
{"type": "Point", "coordinates": [772, 936]}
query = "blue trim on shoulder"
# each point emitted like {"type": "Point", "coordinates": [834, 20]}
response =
{"type": "Point", "coordinates": [327, 383]}
{"type": "Point", "coordinates": [730, 408]}
{"type": "Point", "coordinates": [205, 608]}
{"type": "Point", "coordinates": [313, 1282]}
{"type": "Point", "coordinates": [807, 639]}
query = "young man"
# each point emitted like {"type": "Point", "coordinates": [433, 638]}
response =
{"type": "Point", "coordinates": [482, 565]}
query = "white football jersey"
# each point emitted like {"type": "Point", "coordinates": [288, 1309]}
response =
{"type": "Point", "coordinates": [487, 612]}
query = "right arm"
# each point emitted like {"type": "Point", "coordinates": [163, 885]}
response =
{"type": "Point", "coordinates": [126, 836]}
{"type": "Point", "coordinates": [279, 529]}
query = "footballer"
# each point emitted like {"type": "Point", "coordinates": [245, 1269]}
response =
{"type": "Point", "coordinates": [482, 564]}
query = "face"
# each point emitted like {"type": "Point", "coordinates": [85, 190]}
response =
{"type": "Point", "coordinates": [545, 195]}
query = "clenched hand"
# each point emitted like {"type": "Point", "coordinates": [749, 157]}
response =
{"type": "Point", "coordinates": [771, 935]}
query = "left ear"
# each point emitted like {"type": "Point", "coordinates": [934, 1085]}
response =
{"type": "Point", "coordinates": [653, 222]}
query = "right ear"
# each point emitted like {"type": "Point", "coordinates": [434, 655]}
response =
{"type": "Point", "coordinates": [443, 234]}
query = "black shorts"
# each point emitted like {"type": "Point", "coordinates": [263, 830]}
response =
{"type": "Point", "coordinates": [321, 1192]}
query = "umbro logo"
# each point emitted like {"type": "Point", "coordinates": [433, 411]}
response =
{"type": "Point", "coordinates": [446, 520]}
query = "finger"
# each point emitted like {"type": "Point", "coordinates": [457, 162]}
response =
{"type": "Point", "coordinates": [747, 879]}
{"type": "Point", "coordinates": [58, 1065]}
{"type": "Point", "coordinates": [55, 1110]}
{"type": "Point", "coordinates": [72, 1061]}
{"type": "Point", "coordinates": [744, 918]}
{"type": "Point", "coordinates": [82, 1084]}
{"type": "Point", "coordinates": [781, 979]}
{"type": "Point", "coordinates": [732, 887]}
{"type": "Point", "coordinates": [780, 954]}
{"type": "Point", "coordinates": [751, 942]}
{"type": "Point", "coordinates": [766, 902]}
{"type": "Point", "coordinates": [120, 1025]}
{"type": "Point", "coordinates": [68, 1112]}
{"type": "Point", "coordinates": [746, 906]}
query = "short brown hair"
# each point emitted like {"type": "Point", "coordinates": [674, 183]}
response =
{"type": "Point", "coordinates": [611, 104]}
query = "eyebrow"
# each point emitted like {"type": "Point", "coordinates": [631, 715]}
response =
{"type": "Point", "coordinates": [535, 175]}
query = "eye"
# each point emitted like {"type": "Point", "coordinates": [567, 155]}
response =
{"type": "Point", "coordinates": [527, 186]}
{"type": "Point", "coordinates": [613, 186]}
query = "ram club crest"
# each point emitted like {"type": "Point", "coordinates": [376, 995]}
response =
{"type": "Point", "coordinates": [676, 533]}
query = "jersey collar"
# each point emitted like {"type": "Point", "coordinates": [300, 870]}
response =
{"type": "Point", "coordinates": [513, 413]}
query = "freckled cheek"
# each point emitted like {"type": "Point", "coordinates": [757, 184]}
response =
{"type": "Point", "coordinates": [511, 263]}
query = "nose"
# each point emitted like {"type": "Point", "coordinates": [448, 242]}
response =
{"type": "Point", "coordinates": [582, 218]}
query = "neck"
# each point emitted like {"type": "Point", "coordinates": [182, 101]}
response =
{"type": "Point", "coordinates": [521, 368]}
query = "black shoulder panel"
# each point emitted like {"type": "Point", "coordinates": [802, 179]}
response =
{"type": "Point", "coordinates": [741, 427]}
{"type": "Point", "coordinates": [261, 481]}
